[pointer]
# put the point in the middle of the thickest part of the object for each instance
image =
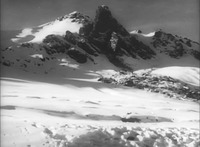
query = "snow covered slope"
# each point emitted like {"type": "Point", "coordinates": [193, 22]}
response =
{"type": "Point", "coordinates": [189, 75]}
{"type": "Point", "coordinates": [71, 22]}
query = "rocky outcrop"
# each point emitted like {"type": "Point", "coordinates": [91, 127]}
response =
{"type": "Point", "coordinates": [142, 50]}
{"type": "Point", "coordinates": [173, 45]}
{"type": "Point", "coordinates": [70, 37]}
{"type": "Point", "coordinates": [188, 43]}
{"type": "Point", "coordinates": [54, 44]}
{"type": "Point", "coordinates": [196, 54]}
{"type": "Point", "coordinates": [158, 84]}
{"type": "Point", "coordinates": [77, 55]}
{"type": "Point", "coordinates": [83, 44]}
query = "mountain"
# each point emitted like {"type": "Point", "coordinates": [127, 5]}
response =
{"type": "Point", "coordinates": [78, 81]}
{"type": "Point", "coordinates": [79, 39]}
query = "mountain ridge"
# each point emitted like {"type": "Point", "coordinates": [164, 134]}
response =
{"type": "Point", "coordinates": [79, 38]}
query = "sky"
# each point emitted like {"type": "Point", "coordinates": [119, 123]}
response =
{"type": "Point", "coordinates": [179, 17]}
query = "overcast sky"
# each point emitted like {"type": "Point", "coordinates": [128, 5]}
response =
{"type": "Point", "coordinates": [176, 16]}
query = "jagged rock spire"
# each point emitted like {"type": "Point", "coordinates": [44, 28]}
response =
{"type": "Point", "coordinates": [105, 22]}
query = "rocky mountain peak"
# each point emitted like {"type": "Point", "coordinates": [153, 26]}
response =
{"type": "Point", "coordinates": [82, 39]}
{"type": "Point", "coordinates": [78, 15]}
{"type": "Point", "coordinates": [103, 12]}
{"type": "Point", "coordinates": [75, 17]}
{"type": "Point", "coordinates": [160, 33]}
{"type": "Point", "coordinates": [74, 13]}
{"type": "Point", "coordinates": [104, 22]}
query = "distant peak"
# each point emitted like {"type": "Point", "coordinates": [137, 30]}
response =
{"type": "Point", "coordinates": [105, 22]}
{"type": "Point", "coordinates": [75, 16]}
{"type": "Point", "coordinates": [104, 7]}
{"type": "Point", "coordinates": [103, 10]}
{"type": "Point", "coordinates": [74, 13]}
{"type": "Point", "coordinates": [160, 33]}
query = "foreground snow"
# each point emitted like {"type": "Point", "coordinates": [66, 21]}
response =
{"type": "Point", "coordinates": [52, 111]}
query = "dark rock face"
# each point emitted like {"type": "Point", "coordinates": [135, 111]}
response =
{"type": "Point", "coordinates": [178, 51]}
{"type": "Point", "coordinates": [86, 47]}
{"type": "Point", "coordinates": [104, 22]}
{"type": "Point", "coordinates": [118, 62]}
{"type": "Point", "coordinates": [158, 34]}
{"type": "Point", "coordinates": [141, 49]}
{"type": "Point", "coordinates": [162, 39]}
{"type": "Point", "coordinates": [86, 29]}
{"type": "Point", "coordinates": [101, 42]}
{"type": "Point", "coordinates": [77, 55]}
{"type": "Point", "coordinates": [130, 120]}
{"type": "Point", "coordinates": [104, 25]}
{"type": "Point", "coordinates": [178, 46]}
{"type": "Point", "coordinates": [196, 54]}
{"type": "Point", "coordinates": [28, 45]}
{"type": "Point", "coordinates": [51, 39]}
{"type": "Point", "coordinates": [188, 43]}
{"type": "Point", "coordinates": [102, 19]}
{"type": "Point", "coordinates": [112, 38]}
{"type": "Point", "coordinates": [53, 44]}
{"type": "Point", "coordinates": [70, 37]}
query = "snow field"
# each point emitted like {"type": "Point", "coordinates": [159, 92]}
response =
{"type": "Point", "coordinates": [79, 112]}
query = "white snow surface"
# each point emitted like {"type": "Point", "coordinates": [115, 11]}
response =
{"type": "Point", "coordinates": [189, 75]}
{"type": "Point", "coordinates": [37, 56]}
{"type": "Point", "coordinates": [56, 27]}
{"type": "Point", "coordinates": [25, 32]}
{"type": "Point", "coordinates": [151, 34]}
{"type": "Point", "coordinates": [76, 110]}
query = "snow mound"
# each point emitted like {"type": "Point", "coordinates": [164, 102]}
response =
{"type": "Point", "coordinates": [189, 75]}
{"type": "Point", "coordinates": [129, 137]}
